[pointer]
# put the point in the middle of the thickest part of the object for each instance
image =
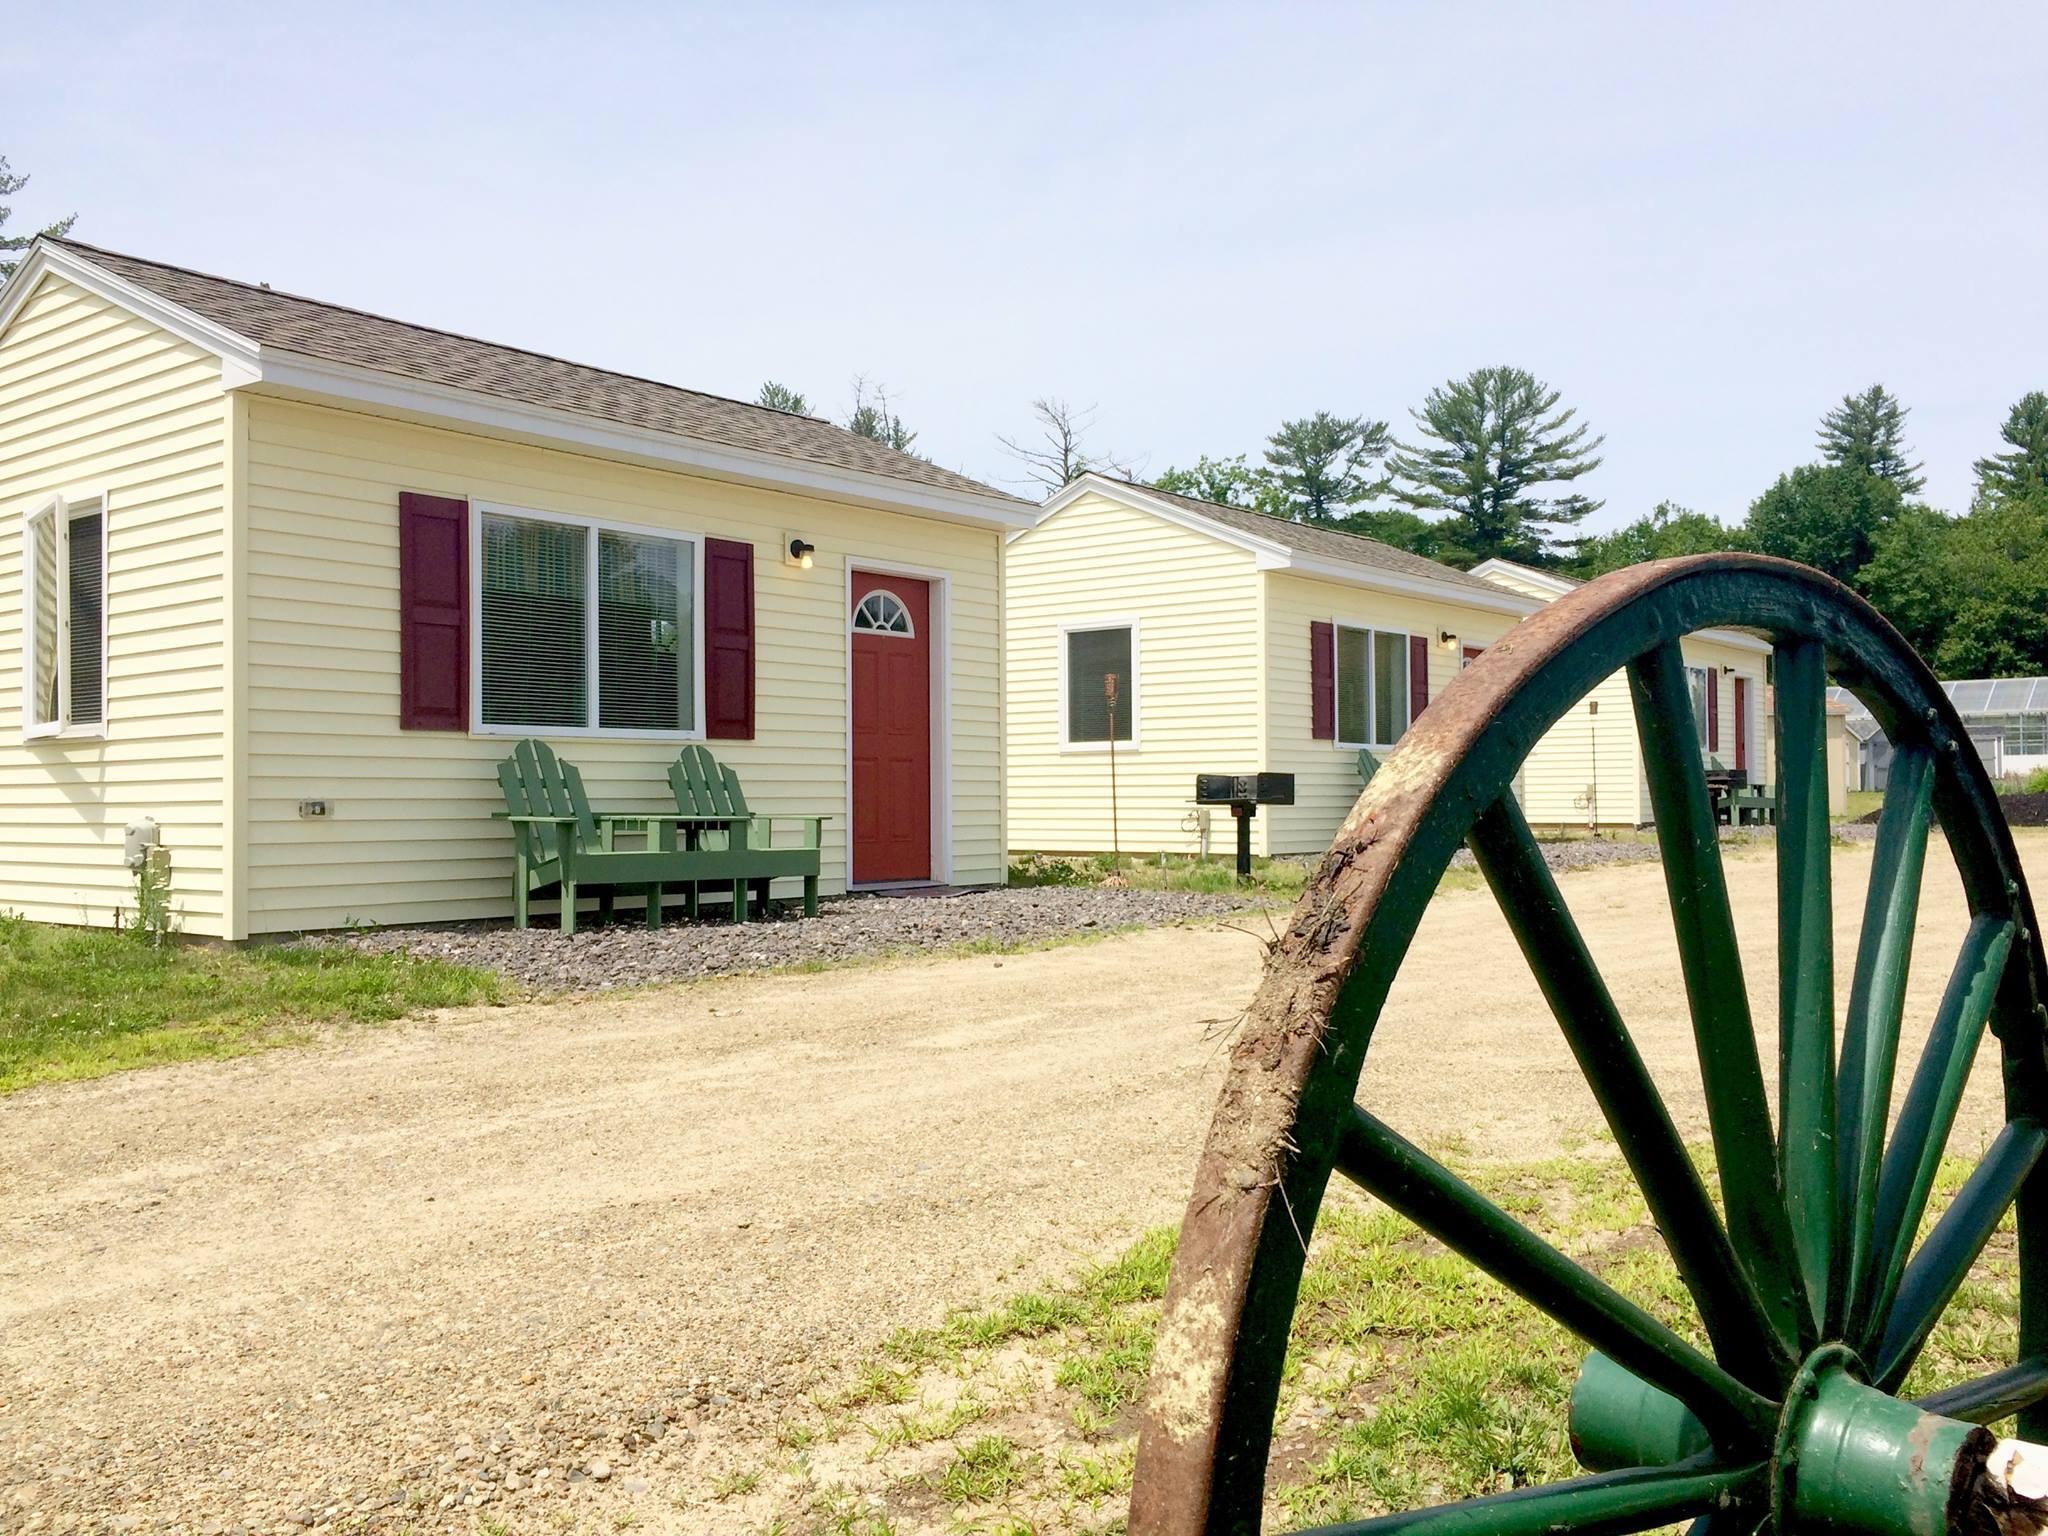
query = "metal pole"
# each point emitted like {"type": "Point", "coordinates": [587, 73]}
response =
{"type": "Point", "coordinates": [1116, 854]}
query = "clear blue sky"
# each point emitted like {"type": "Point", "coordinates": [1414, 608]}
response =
{"type": "Point", "coordinates": [1704, 224]}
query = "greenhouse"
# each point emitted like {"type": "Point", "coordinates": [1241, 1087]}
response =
{"type": "Point", "coordinates": [2007, 718]}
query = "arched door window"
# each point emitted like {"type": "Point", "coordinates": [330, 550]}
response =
{"type": "Point", "coordinates": [882, 612]}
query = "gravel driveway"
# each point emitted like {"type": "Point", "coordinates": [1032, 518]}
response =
{"type": "Point", "coordinates": [627, 954]}
{"type": "Point", "coordinates": [565, 1265]}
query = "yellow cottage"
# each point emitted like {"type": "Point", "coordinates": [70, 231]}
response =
{"type": "Point", "coordinates": [1239, 643]}
{"type": "Point", "coordinates": [287, 580]}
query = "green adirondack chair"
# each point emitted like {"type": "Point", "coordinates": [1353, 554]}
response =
{"type": "Point", "coordinates": [712, 810]}
{"type": "Point", "coordinates": [1368, 765]}
{"type": "Point", "coordinates": [557, 839]}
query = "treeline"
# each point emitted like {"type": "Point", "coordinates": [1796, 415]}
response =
{"type": "Point", "coordinates": [1970, 591]}
{"type": "Point", "coordinates": [1488, 467]}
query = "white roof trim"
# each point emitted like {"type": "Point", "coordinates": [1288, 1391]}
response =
{"type": "Point", "coordinates": [289, 375]}
{"type": "Point", "coordinates": [1271, 555]}
{"type": "Point", "coordinates": [1488, 570]}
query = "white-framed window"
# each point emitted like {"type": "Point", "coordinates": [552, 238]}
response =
{"type": "Point", "coordinates": [1098, 684]}
{"type": "Point", "coordinates": [882, 612]}
{"type": "Point", "coordinates": [1372, 686]}
{"type": "Point", "coordinates": [1697, 681]}
{"type": "Point", "coordinates": [584, 627]}
{"type": "Point", "coordinates": [64, 618]}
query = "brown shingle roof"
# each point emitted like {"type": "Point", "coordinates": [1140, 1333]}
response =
{"type": "Point", "coordinates": [337, 334]}
{"type": "Point", "coordinates": [1323, 543]}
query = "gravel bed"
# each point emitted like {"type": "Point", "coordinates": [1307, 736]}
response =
{"type": "Point", "coordinates": [625, 954]}
{"type": "Point", "coordinates": [1595, 852]}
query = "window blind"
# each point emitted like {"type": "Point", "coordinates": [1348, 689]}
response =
{"type": "Point", "coordinates": [534, 610]}
{"type": "Point", "coordinates": [1093, 654]}
{"type": "Point", "coordinates": [644, 631]}
{"type": "Point", "coordinates": [1354, 693]}
{"type": "Point", "coordinates": [87, 681]}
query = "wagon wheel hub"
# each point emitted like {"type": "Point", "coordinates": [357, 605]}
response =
{"type": "Point", "coordinates": [1815, 1291]}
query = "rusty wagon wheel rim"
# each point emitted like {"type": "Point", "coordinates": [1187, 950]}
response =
{"type": "Point", "coordinates": [1814, 1266]}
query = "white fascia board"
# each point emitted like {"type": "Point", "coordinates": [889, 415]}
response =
{"type": "Point", "coordinates": [236, 352]}
{"type": "Point", "coordinates": [271, 371]}
{"type": "Point", "coordinates": [1734, 639]}
{"type": "Point", "coordinates": [290, 375]}
{"type": "Point", "coordinates": [1502, 601]}
{"type": "Point", "coordinates": [1497, 566]}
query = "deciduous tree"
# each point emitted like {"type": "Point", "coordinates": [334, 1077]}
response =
{"type": "Point", "coordinates": [1487, 444]}
{"type": "Point", "coordinates": [1825, 516]}
{"type": "Point", "coordinates": [1665, 530]}
{"type": "Point", "coordinates": [1231, 482]}
{"type": "Point", "coordinates": [1061, 451]}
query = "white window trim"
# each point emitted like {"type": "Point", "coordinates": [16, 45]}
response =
{"type": "Point", "coordinates": [60, 509]}
{"type": "Point", "coordinates": [1085, 626]}
{"type": "Point", "coordinates": [1338, 625]}
{"type": "Point", "coordinates": [479, 510]}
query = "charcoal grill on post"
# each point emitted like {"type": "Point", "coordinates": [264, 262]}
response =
{"type": "Point", "coordinates": [1794, 1406]}
{"type": "Point", "coordinates": [1244, 793]}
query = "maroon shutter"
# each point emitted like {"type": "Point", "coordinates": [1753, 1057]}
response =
{"type": "Point", "coordinates": [728, 639]}
{"type": "Point", "coordinates": [1322, 680]}
{"type": "Point", "coordinates": [433, 612]}
{"type": "Point", "coordinates": [1713, 710]}
{"type": "Point", "coordinates": [1418, 675]}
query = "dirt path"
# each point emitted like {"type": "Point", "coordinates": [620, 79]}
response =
{"type": "Point", "coordinates": [269, 1292]}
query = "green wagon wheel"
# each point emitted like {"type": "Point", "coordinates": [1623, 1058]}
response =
{"type": "Point", "coordinates": [1811, 1293]}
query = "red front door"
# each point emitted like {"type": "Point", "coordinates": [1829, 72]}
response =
{"type": "Point", "coordinates": [892, 728]}
{"type": "Point", "coordinates": [1741, 722]}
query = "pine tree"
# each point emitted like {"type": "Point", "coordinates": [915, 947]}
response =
{"type": "Point", "coordinates": [9, 244]}
{"type": "Point", "coordinates": [1867, 432]}
{"type": "Point", "coordinates": [1490, 440]}
{"type": "Point", "coordinates": [873, 417]}
{"type": "Point", "coordinates": [2022, 471]}
{"type": "Point", "coordinates": [780, 397]}
{"type": "Point", "coordinates": [1324, 465]}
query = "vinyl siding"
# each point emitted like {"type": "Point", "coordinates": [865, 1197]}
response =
{"type": "Point", "coordinates": [410, 836]}
{"type": "Point", "coordinates": [1559, 777]}
{"type": "Point", "coordinates": [1326, 779]}
{"type": "Point", "coordinates": [94, 400]}
{"type": "Point", "coordinates": [1194, 600]}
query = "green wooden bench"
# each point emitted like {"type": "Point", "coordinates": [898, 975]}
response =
{"type": "Point", "coordinates": [710, 803]}
{"type": "Point", "coordinates": [557, 839]}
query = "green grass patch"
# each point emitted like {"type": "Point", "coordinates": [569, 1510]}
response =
{"type": "Point", "coordinates": [82, 1002]}
{"type": "Point", "coordinates": [1411, 1378]}
{"type": "Point", "coordinates": [1280, 879]}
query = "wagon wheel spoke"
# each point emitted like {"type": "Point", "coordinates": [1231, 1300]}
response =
{"type": "Point", "coordinates": [1737, 1112]}
{"type": "Point", "coordinates": [1870, 1044]}
{"type": "Point", "coordinates": [1606, 1504]}
{"type": "Point", "coordinates": [1930, 1110]}
{"type": "Point", "coordinates": [1952, 1247]}
{"type": "Point", "coordinates": [1994, 1397]}
{"type": "Point", "coordinates": [1406, 1178]}
{"type": "Point", "coordinates": [1806, 961]}
{"type": "Point", "coordinates": [1513, 864]}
